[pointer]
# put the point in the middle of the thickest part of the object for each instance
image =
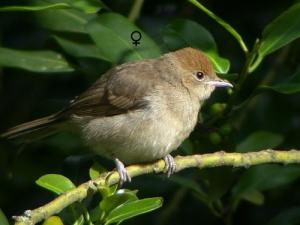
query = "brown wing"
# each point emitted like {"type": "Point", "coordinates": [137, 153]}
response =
{"type": "Point", "coordinates": [117, 91]}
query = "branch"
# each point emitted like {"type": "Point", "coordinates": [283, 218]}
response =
{"type": "Point", "coordinates": [216, 159]}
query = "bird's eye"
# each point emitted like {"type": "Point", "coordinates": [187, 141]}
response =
{"type": "Point", "coordinates": [199, 75]}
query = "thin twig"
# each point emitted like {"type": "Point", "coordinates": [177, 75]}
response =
{"type": "Point", "coordinates": [135, 10]}
{"type": "Point", "coordinates": [216, 159]}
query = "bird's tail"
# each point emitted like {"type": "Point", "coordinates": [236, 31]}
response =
{"type": "Point", "coordinates": [42, 127]}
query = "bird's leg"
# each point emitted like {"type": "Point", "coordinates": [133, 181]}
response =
{"type": "Point", "coordinates": [170, 165]}
{"type": "Point", "coordinates": [124, 176]}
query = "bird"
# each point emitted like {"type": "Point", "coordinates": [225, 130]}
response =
{"type": "Point", "coordinates": [137, 112]}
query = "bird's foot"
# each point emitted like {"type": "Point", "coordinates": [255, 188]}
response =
{"type": "Point", "coordinates": [124, 176]}
{"type": "Point", "coordinates": [170, 165]}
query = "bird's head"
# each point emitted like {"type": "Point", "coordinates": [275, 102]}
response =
{"type": "Point", "coordinates": [196, 72]}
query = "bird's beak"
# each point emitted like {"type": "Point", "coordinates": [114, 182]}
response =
{"type": "Point", "coordinates": [219, 83]}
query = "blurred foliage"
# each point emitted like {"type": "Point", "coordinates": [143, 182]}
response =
{"type": "Point", "coordinates": [51, 50]}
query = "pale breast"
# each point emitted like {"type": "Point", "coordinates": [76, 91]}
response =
{"type": "Point", "coordinates": [143, 135]}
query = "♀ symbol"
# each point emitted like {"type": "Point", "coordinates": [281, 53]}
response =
{"type": "Point", "coordinates": [135, 37]}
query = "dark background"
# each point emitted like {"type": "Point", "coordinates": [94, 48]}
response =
{"type": "Point", "coordinates": [26, 95]}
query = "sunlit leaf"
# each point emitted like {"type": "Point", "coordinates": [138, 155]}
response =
{"type": "Point", "coordinates": [132, 209]}
{"type": "Point", "coordinates": [112, 34]}
{"type": "Point", "coordinates": [96, 170]}
{"type": "Point", "coordinates": [3, 219]}
{"type": "Point", "coordinates": [186, 33]}
{"type": "Point", "coordinates": [56, 183]}
{"type": "Point", "coordinates": [36, 61]}
{"type": "Point", "coordinates": [120, 197]}
{"type": "Point", "coordinates": [53, 220]}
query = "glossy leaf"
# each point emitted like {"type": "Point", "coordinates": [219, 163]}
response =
{"type": "Point", "coordinates": [36, 7]}
{"type": "Point", "coordinates": [287, 217]}
{"type": "Point", "coordinates": [220, 21]}
{"type": "Point", "coordinates": [55, 183]}
{"type": "Point", "coordinates": [87, 6]}
{"type": "Point", "coordinates": [79, 48]}
{"type": "Point", "coordinates": [3, 219]}
{"type": "Point", "coordinates": [186, 33]}
{"type": "Point", "coordinates": [112, 34]}
{"type": "Point", "coordinates": [120, 197]}
{"type": "Point", "coordinates": [260, 140]}
{"type": "Point", "coordinates": [53, 220]}
{"type": "Point", "coordinates": [266, 177]}
{"type": "Point", "coordinates": [67, 20]}
{"type": "Point", "coordinates": [35, 61]}
{"type": "Point", "coordinates": [290, 86]}
{"type": "Point", "coordinates": [281, 31]}
{"type": "Point", "coordinates": [96, 170]}
{"type": "Point", "coordinates": [132, 209]}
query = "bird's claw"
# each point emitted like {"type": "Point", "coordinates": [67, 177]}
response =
{"type": "Point", "coordinates": [170, 165]}
{"type": "Point", "coordinates": [124, 176]}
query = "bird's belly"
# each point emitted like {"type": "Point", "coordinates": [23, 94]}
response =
{"type": "Point", "coordinates": [136, 137]}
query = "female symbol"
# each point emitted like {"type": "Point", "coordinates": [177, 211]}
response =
{"type": "Point", "coordinates": [135, 37]}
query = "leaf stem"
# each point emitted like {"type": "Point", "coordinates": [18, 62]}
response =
{"type": "Point", "coordinates": [224, 24]}
{"type": "Point", "coordinates": [135, 10]}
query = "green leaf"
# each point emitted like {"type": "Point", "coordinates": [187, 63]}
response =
{"type": "Point", "coordinates": [3, 219]}
{"type": "Point", "coordinates": [87, 6]}
{"type": "Point", "coordinates": [259, 140]}
{"type": "Point", "coordinates": [67, 20]}
{"type": "Point", "coordinates": [36, 8]}
{"type": "Point", "coordinates": [265, 177]}
{"type": "Point", "coordinates": [224, 24]}
{"type": "Point", "coordinates": [79, 48]}
{"type": "Point", "coordinates": [35, 61]}
{"type": "Point", "coordinates": [291, 86]}
{"type": "Point", "coordinates": [120, 197]}
{"type": "Point", "coordinates": [55, 182]}
{"type": "Point", "coordinates": [186, 33]}
{"type": "Point", "coordinates": [253, 196]}
{"type": "Point", "coordinates": [281, 31]}
{"type": "Point", "coordinates": [287, 217]}
{"type": "Point", "coordinates": [96, 170]}
{"type": "Point", "coordinates": [132, 209]}
{"type": "Point", "coordinates": [112, 35]}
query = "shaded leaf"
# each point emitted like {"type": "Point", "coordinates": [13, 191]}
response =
{"type": "Point", "coordinates": [265, 177]}
{"type": "Point", "coordinates": [132, 209]}
{"type": "Point", "coordinates": [67, 20]}
{"type": "Point", "coordinates": [290, 86]}
{"type": "Point", "coordinates": [3, 219]}
{"type": "Point", "coordinates": [55, 182]}
{"type": "Point", "coordinates": [281, 31]}
{"type": "Point", "coordinates": [287, 217]}
{"type": "Point", "coordinates": [253, 196]}
{"type": "Point", "coordinates": [112, 34]}
{"type": "Point", "coordinates": [36, 7]}
{"type": "Point", "coordinates": [35, 61]}
{"type": "Point", "coordinates": [183, 33]}
{"type": "Point", "coordinates": [79, 48]}
{"type": "Point", "coordinates": [260, 140]}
